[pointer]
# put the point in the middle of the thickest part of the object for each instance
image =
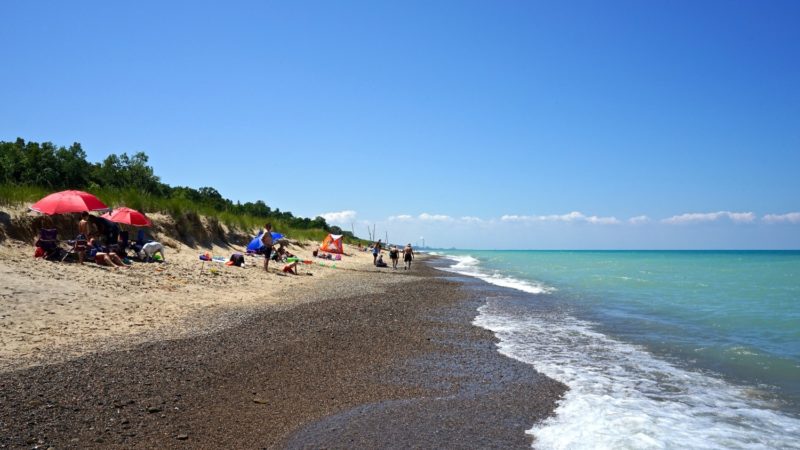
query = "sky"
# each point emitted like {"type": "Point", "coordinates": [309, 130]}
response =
{"type": "Point", "coordinates": [517, 124]}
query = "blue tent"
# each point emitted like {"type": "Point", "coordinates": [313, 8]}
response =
{"type": "Point", "coordinates": [256, 243]}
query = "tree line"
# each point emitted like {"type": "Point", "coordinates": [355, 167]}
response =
{"type": "Point", "coordinates": [58, 168]}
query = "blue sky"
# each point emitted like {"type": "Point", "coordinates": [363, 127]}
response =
{"type": "Point", "coordinates": [474, 124]}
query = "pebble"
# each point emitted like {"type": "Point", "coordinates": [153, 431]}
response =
{"type": "Point", "coordinates": [268, 355]}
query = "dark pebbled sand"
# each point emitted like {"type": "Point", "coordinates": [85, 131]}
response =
{"type": "Point", "coordinates": [399, 369]}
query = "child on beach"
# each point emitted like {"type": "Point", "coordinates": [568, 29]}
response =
{"type": "Point", "coordinates": [291, 268]}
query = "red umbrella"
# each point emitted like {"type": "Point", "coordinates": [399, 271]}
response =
{"type": "Point", "coordinates": [68, 202]}
{"type": "Point", "coordinates": [127, 216]}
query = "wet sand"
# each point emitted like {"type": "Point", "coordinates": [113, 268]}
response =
{"type": "Point", "coordinates": [372, 360]}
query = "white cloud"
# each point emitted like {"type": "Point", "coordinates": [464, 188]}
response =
{"type": "Point", "coordinates": [425, 217]}
{"type": "Point", "coordinates": [343, 217]}
{"type": "Point", "coordinates": [792, 217]}
{"type": "Point", "coordinates": [638, 220]}
{"type": "Point", "coordinates": [602, 220]}
{"type": "Point", "coordinates": [745, 217]}
{"type": "Point", "coordinates": [434, 217]}
{"type": "Point", "coordinates": [574, 216]}
{"type": "Point", "coordinates": [738, 217]}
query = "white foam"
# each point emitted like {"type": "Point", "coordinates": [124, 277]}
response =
{"type": "Point", "coordinates": [467, 265]}
{"type": "Point", "coordinates": [623, 397]}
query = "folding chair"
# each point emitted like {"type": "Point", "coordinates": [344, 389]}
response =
{"type": "Point", "coordinates": [48, 241]}
{"type": "Point", "coordinates": [77, 246]}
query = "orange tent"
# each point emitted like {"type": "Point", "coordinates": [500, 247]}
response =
{"type": "Point", "coordinates": [332, 244]}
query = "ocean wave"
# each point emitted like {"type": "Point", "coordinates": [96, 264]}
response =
{"type": "Point", "coordinates": [621, 396]}
{"type": "Point", "coordinates": [470, 266]}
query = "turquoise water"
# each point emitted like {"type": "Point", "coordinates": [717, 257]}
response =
{"type": "Point", "coordinates": [708, 333]}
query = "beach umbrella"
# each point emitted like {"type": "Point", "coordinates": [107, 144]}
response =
{"type": "Point", "coordinates": [127, 216]}
{"type": "Point", "coordinates": [68, 202]}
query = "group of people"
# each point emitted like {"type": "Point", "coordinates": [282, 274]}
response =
{"type": "Point", "coordinates": [268, 250]}
{"type": "Point", "coordinates": [394, 255]}
{"type": "Point", "coordinates": [268, 247]}
{"type": "Point", "coordinates": [112, 253]}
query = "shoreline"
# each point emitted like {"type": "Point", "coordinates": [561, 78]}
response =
{"type": "Point", "coordinates": [374, 369]}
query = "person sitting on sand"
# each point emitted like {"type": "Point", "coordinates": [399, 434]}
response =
{"type": "Point", "coordinates": [290, 268]}
{"type": "Point", "coordinates": [380, 262]}
{"type": "Point", "coordinates": [281, 254]}
{"type": "Point", "coordinates": [109, 259]}
{"type": "Point", "coordinates": [277, 255]}
{"type": "Point", "coordinates": [408, 255]}
{"type": "Point", "coordinates": [150, 249]}
{"type": "Point", "coordinates": [394, 255]}
{"type": "Point", "coordinates": [104, 258]}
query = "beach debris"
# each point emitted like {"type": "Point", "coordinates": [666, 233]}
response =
{"type": "Point", "coordinates": [182, 437]}
{"type": "Point", "coordinates": [153, 409]}
{"type": "Point", "coordinates": [260, 401]}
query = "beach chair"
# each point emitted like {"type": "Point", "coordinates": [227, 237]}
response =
{"type": "Point", "coordinates": [48, 241]}
{"type": "Point", "coordinates": [76, 246]}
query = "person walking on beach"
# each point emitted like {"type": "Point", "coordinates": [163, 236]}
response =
{"type": "Point", "coordinates": [266, 239]}
{"type": "Point", "coordinates": [394, 255]}
{"type": "Point", "coordinates": [408, 255]}
{"type": "Point", "coordinates": [376, 249]}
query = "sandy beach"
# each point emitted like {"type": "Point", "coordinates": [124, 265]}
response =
{"type": "Point", "coordinates": [59, 310]}
{"type": "Point", "coordinates": [187, 355]}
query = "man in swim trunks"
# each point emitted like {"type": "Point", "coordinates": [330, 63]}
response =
{"type": "Point", "coordinates": [266, 239]}
{"type": "Point", "coordinates": [408, 255]}
{"type": "Point", "coordinates": [83, 236]}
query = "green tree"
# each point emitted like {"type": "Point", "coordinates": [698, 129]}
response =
{"type": "Point", "coordinates": [74, 170]}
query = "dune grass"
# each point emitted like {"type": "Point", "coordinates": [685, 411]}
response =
{"type": "Point", "coordinates": [177, 208]}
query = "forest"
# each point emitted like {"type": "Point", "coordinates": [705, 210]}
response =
{"type": "Point", "coordinates": [28, 169]}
